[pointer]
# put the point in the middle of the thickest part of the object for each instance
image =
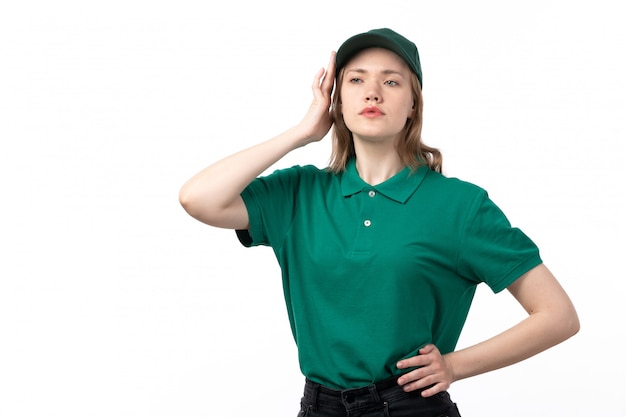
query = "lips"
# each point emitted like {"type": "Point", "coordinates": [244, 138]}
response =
{"type": "Point", "coordinates": [371, 111]}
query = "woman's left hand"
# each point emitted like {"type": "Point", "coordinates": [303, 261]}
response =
{"type": "Point", "coordinates": [433, 371]}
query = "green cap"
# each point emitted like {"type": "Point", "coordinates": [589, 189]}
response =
{"type": "Point", "coordinates": [381, 38]}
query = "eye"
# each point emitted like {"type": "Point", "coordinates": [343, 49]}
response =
{"type": "Point", "coordinates": [391, 83]}
{"type": "Point", "coordinates": [355, 80]}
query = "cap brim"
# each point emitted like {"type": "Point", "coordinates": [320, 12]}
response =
{"type": "Point", "coordinates": [357, 43]}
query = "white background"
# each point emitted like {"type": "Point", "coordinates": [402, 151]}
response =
{"type": "Point", "coordinates": [114, 302]}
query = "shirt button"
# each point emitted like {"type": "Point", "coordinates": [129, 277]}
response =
{"type": "Point", "coordinates": [367, 223]}
{"type": "Point", "coordinates": [372, 193]}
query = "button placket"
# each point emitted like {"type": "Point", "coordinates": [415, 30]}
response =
{"type": "Point", "coordinates": [365, 236]}
{"type": "Point", "coordinates": [368, 222]}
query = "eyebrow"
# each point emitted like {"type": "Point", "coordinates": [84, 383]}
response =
{"type": "Point", "coordinates": [385, 72]}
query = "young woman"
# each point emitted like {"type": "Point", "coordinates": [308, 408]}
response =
{"type": "Point", "coordinates": [380, 252]}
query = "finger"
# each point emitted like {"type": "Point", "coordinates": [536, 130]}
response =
{"type": "Point", "coordinates": [431, 383]}
{"type": "Point", "coordinates": [427, 349]}
{"type": "Point", "coordinates": [435, 389]}
{"type": "Point", "coordinates": [413, 361]}
{"type": "Point", "coordinates": [415, 382]}
{"type": "Point", "coordinates": [410, 378]}
{"type": "Point", "coordinates": [329, 76]}
{"type": "Point", "coordinates": [332, 62]}
{"type": "Point", "coordinates": [317, 80]}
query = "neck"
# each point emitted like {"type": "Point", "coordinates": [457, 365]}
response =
{"type": "Point", "coordinates": [376, 165]}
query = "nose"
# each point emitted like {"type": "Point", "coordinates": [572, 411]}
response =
{"type": "Point", "coordinates": [372, 95]}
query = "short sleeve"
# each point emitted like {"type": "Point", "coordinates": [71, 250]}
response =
{"type": "Point", "coordinates": [270, 202]}
{"type": "Point", "coordinates": [491, 250]}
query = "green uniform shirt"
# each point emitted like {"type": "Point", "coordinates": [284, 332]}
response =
{"type": "Point", "coordinates": [373, 273]}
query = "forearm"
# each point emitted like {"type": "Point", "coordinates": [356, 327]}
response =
{"type": "Point", "coordinates": [213, 190]}
{"type": "Point", "coordinates": [213, 196]}
{"type": "Point", "coordinates": [551, 319]}
{"type": "Point", "coordinates": [538, 332]}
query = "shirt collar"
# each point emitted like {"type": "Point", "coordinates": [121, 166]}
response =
{"type": "Point", "coordinates": [398, 188]}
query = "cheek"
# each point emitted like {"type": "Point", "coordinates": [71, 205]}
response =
{"type": "Point", "coordinates": [348, 107]}
{"type": "Point", "coordinates": [348, 120]}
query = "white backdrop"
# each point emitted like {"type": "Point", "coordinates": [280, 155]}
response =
{"type": "Point", "coordinates": [114, 302]}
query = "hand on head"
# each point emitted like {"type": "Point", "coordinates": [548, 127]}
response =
{"type": "Point", "coordinates": [318, 119]}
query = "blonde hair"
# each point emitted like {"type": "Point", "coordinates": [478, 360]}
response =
{"type": "Point", "coordinates": [413, 152]}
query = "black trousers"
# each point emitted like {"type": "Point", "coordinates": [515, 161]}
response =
{"type": "Point", "coordinates": [384, 399]}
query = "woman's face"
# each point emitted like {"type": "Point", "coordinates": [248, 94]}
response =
{"type": "Point", "coordinates": [376, 96]}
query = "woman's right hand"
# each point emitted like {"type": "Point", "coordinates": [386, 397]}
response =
{"type": "Point", "coordinates": [318, 119]}
{"type": "Point", "coordinates": [213, 195]}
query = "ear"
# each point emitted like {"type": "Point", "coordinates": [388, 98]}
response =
{"type": "Point", "coordinates": [410, 116]}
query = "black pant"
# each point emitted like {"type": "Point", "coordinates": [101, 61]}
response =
{"type": "Point", "coordinates": [384, 399]}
